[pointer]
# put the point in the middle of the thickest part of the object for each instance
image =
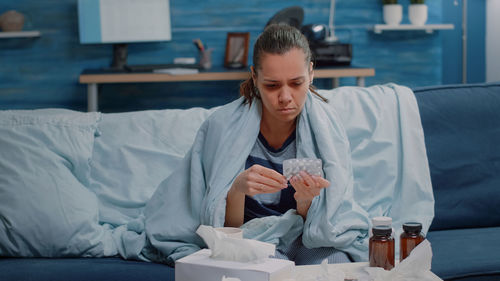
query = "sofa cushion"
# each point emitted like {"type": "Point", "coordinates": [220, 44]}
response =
{"type": "Point", "coordinates": [461, 253]}
{"type": "Point", "coordinates": [134, 153]}
{"type": "Point", "coordinates": [45, 208]}
{"type": "Point", "coordinates": [83, 269]}
{"type": "Point", "coordinates": [462, 134]}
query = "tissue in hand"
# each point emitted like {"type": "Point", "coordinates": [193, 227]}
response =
{"type": "Point", "coordinates": [245, 259]}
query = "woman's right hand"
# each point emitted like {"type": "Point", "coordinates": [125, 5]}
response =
{"type": "Point", "coordinates": [254, 180]}
{"type": "Point", "coordinates": [258, 179]}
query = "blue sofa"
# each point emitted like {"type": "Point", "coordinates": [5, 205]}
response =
{"type": "Point", "coordinates": [462, 132]}
{"type": "Point", "coordinates": [462, 135]}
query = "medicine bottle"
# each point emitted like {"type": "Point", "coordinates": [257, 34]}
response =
{"type": "Point", "coordinates": [410, 238]}
{"type": "Point", "coordinates": [381, 248]}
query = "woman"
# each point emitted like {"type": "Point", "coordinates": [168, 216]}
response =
{"type": "Point", "coordinates": [232, 176]}
{"type": "Point", "coordinates": [282, 75]}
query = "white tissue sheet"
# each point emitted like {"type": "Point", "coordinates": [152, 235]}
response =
{"type": "Point", "coordinates": [321, 273]}
{"type": "Point", "coordinates": [201, 267]}
{"type": "Point", "coordinates": [416, 267]}
{"type": "Point", "coordinates": [234, 249]}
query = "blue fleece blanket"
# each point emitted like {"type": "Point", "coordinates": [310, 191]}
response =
{"type": "Point", "coordinates": [196, 192]}
{"type": "Point", "coordinates": [370, 140]}
{"type": "Point", "coordinates": [389, 157]}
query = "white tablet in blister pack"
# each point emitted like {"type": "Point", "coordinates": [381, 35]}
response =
{"type": "Point", "coordinates": [292, 167]}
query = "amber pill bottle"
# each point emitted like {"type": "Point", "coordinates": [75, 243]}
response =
{"type": "Point", "coordinates": [410, 238]}
{"type": "Point", "coordinates": [381, 248]}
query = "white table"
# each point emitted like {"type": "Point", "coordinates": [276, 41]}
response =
{"type": "Point", "coordinates": [351, 270]}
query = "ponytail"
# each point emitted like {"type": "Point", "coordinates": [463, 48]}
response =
{"type": "Point", "coordinates": [313, 90]}
{"type": "Point", "coordinates": [248, 90]}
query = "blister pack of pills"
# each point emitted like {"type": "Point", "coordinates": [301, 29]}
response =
{"type": "Point", "coordinates": [292, 167]}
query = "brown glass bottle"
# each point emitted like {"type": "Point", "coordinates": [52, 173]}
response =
{"type": "Point", "coordinates": [410, 238]}
{"type": "Point", "coordinates": [381, 248]}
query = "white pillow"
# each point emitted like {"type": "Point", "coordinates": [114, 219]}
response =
{"type": "Point", "coordinates": [45, 208]}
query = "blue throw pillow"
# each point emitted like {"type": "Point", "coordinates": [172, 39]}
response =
{"type": "Point", "coordinates": [45, 208]}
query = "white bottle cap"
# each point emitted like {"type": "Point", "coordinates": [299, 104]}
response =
{"type": "Point", "coordinates": [381, 221]}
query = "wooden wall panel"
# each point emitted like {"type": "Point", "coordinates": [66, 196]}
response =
{"type": "Point", "coordinates": [43, 72]}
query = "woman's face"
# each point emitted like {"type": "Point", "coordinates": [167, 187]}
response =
{"type": "Point", "coordinates": [283, 82]}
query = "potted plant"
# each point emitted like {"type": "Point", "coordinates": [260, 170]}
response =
{"type": "Point", "coordinates": [417, 12]}
{"type": "Point", "coordinates": [393, 12]}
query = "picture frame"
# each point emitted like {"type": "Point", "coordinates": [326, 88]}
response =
{"type": "Point", "coordinates": [237, 44]}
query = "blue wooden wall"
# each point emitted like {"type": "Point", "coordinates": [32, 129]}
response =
{"type": "Point", "coordinates": [452, 42]}
{"type": "Point", "coordinates": [43, 72]}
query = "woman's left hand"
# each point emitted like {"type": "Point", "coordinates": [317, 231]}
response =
{"type": "Point", "coordinates": [306, 188]}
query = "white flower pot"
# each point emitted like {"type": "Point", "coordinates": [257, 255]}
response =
{"type": "Point", "coordinates": [418, 14]}
{"type": "Point", "coordinates": [393, 14]}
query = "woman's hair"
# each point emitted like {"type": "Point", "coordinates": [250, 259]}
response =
{"type": "Point", "coordinates": [276, 39]}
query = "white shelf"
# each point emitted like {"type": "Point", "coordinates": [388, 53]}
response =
{"type": "Point", "coordinates": [429, 28]}
{"type": "Point", "coordinates": [20, 34]}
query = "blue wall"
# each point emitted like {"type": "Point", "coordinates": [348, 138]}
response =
{"type": "Point", "coordinates": [43, 72]}
{"type": "Point", "coordinates": [452, 42]}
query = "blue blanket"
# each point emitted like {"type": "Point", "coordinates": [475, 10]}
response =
{"type": "Point", "coordinates": [369, 139]}
{"type": "Point", "coordinates": [389, 157]}
{"type": "Point", "coordinates": [195, 193]}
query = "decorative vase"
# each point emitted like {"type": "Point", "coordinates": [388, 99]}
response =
{"type": "Point", "coordinates": [11, 21]}
{"type": "Point", "coordinates": [393, 14]}
{"type": "Point", "coordinates": [417, 14]}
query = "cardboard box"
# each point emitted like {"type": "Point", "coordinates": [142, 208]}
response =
{"type": "Point", "coordinates": [200, 267]}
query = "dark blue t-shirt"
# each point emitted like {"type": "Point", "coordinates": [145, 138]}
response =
{"type": "Point", "coordinates": [274, 204]}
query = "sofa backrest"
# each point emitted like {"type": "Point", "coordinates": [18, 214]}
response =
{"type": "Point", "coordinates": [134, 152]}
{"type": "Point", "coordinates": [462, 134]}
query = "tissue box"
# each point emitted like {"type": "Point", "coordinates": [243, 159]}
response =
{"type": "Point", "coordinates": [200, 267]}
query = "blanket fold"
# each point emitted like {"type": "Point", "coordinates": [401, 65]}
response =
{"type": "Point", "coordinates": [389, 158]}
{"type": "Point", "coordinates": [370, 141]}
{"type": "Point", "coordinates": [196, 192]}
{"type": "Point", "coordinates": [376, 165]}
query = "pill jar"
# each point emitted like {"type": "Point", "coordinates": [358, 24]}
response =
{"type": "Point", "coordinates": [410, 238]}
{"type": "Point", "coordinates": [381, 248]}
